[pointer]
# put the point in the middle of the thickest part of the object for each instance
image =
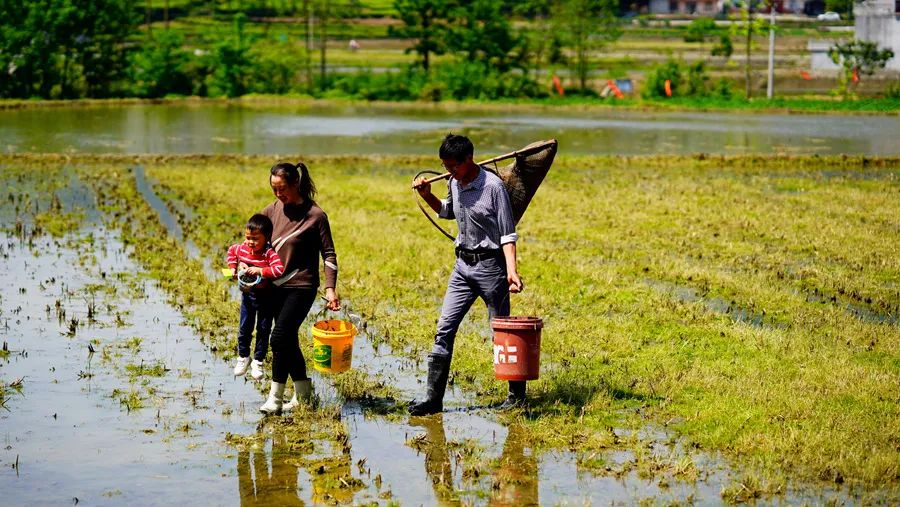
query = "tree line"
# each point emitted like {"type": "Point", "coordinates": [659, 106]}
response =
{"type": "Point", "coordinates": [65, 49]}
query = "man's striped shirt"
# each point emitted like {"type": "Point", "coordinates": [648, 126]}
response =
{"type": "Point", "coordinates": [482, 211]}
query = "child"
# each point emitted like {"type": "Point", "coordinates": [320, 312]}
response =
{"type": "Point", "coordinates": [255, 257]}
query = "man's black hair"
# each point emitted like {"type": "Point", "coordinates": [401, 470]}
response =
{"type": "Point", "coordinates": [262, 224]}
{"type": "Point", "coordinates": [456, 147]}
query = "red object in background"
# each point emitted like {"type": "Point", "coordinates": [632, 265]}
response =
{"type": "Point", "coordinates": [558, 85]}
{"type": "Point", "coordinates": [615, 89]}
{"type": "Point", "coordinates": [805, 75]}
{"type": "Point", "coordinates": [668, 88]}
{"type": "Point", "coordinates": [855, 76]}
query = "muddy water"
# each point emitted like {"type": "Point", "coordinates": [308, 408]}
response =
{"type": "Point", "coordinates": [144, 418]}
{"type": "Point", "coordinates": [361, 129]}
{"type": "Point", "coordinates": [74, 437]}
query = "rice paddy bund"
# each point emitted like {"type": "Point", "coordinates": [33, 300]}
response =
{"type": "Point", "coordinates": [748, 305]}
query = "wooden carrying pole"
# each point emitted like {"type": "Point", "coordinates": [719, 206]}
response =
{"type": "Point", "coordinates": [512, 154]}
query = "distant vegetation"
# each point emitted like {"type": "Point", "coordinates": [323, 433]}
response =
{"type": "Point", "coordinates": [403, 49]}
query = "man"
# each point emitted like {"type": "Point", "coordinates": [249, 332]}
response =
{"type": "Point", "coordinates": [485, 264]}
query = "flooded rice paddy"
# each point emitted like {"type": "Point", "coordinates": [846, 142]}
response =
{"type": "Point", "coordinates": [319, 129]}
{"type": "Point", "coordinates": [111, 398]}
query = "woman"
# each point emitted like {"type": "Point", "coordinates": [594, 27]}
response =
{"type": "Point", "coordinates": [300, 233]}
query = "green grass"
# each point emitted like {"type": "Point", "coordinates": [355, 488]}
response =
{"type": "Point", "coordinates": [156, 369]}
{"type": "Point", "coordinates": [801, 105]}
{"type": "Point", "coordinates": [809, 392]}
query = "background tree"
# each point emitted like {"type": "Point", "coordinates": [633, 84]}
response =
{"type": "Point", "coordinates": [63, 48]}
{"type": "Point", "coordinates": [230, 63]}
{"type": "Point", "coordinates": [699, 29]}
{"type": "Point", "coordinates": [858, 57]}
{"type": "Point", "coordinates": [160, 67]}
{"type": "Point", "coordinates": [538, 38]}
{"type": "Point", "coordinates": [746, 29]}
{"type": "Point", "coordinates": [277, 64]}
{"type": "Point", "coordinates": [427, 23]}
{"type": "Point", "coordinates": [481, 31]}
{"type": "Point", "coordinates": [327, 14]}
{"type": "Point", "coordinates": [101, 28]}
{"type": "Point", "coordinates": [723, 48]}
{"type": "Point", "coordinates": [585, 27]}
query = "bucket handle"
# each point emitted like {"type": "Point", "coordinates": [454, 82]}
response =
{"type": "Point", "coordinates": [321, 314]}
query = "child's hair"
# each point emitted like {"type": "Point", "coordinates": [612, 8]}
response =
{"type": "Point", "coordinates": [262, 224]}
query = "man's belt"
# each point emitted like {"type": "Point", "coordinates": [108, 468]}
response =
{"type": "Point", "coordinates": [475, 256]}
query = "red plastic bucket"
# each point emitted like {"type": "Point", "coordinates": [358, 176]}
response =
{"type": "Point", "coordinates": [517, 347]}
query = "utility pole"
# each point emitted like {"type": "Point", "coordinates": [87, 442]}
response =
{"type": "Point", "coordinates": [150, 18]}
{"type": "Point", "coordinates": [749, 41]}
{"type": "Point", "coordinates": [309, 43]}
{"type": "Point", "coordinates": [770, 86]}
{"type": "Point", "coordinates": [324, 38]}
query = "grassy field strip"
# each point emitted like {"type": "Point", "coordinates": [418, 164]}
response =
{"type": "Point", "coordinates": [791, 395]}
{"type": "Point", "coordinates": [809, 104]}
{"type": "Point", "coordinates": [810, 392]}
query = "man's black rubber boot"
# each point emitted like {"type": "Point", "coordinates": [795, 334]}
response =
{"type": "Point", "coordinates": [516, 396]}
{"type": "Point", "coordinates": [438, 371]}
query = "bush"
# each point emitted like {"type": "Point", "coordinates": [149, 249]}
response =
{"type": "Point", "coordinates": [699, 30]}
{"type": "Point", "coordinates": [695, 84]}
{"type": "Point", "coordinates": [367, 85]}
{"type": "Point", "coordinates": [160, 67]}
{"type": "Point", "coordinates": [892, 91]}
{"type": "Point", "coordinates": [476, 80]}
{"type": "Point", "coordinates": [276, 66]}
{"type": "Point", "coordinates": [724, 47]}
{"type": "Point", "coordinates": [655, 86]}
{"type": "Point", "coordinates": [723, 89]}
{"type": "Point", "coordinates": [230, 64]}
{"type": "Point", "coordinates": [690, 81]}
{"type": "Point", "coordinates": [447, 81]}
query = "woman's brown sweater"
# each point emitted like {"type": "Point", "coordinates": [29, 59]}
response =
{"type": "Point", "coordinates": [300, 233]}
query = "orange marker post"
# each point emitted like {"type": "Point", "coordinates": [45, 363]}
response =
{"type": "Point", "coordinates": [557, 83]}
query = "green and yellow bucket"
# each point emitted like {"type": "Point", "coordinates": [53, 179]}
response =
{"type": "Point", "coordinates": [333, 345]}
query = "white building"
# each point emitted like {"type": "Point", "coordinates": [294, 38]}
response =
{"type": "Point", "coordinates": [876, 22]}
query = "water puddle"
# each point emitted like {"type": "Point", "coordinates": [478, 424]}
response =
{"type": "Point", "coordinates": [857, 310]}
{"type": "Point", "coordinates": [719, 305]}
{"type": "Point", "coordinates": [166, 216]}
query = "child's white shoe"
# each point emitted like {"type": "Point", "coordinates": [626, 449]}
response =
{"type": "Point", "coordinates": [273, 402]}
{"type": "Point", "coordinates": [256, 369]}
{"type": "Point", "coordinates": [240, 367]}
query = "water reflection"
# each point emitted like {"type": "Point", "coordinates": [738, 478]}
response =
{"type": "Point", "coordinates": [437, 458]}
{"type": "Point", "coordinates": [268, 478]}
{"type": "Point", "coordinates": [514, 480]}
